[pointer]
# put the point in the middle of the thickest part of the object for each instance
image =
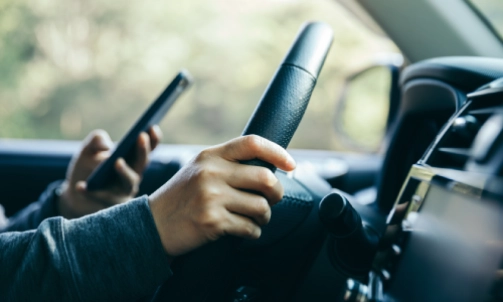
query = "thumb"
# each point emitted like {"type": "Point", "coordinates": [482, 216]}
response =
{"type": "Point", "coordinates": [253, 146]}
{"type": "Point", "coordinates": [96, 141]}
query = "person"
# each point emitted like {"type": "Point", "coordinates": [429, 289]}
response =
{"type": "Point", "coordinates": [124, 252]}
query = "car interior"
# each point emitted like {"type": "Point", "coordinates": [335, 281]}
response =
{"type": "Point", "coordinates": [421, 220]}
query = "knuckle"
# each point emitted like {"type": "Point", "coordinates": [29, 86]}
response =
{"type": "Point", "coordinates": [248, 231]}
{"type": "Point", "coordinates": [210, 194]}
{"type": "Point", "coordinates": [201, 156]}
{"type": "Point", "coordinates": [267, 216]}
{"type": "Point", "coordinates": [279, 194]}
{"type": "Point", "coordinates": [204, 155]}
{"type": "Point", "coordinates": [210, 220]}
{"type": "Point", "coordinates": [254, 142]}
{"type": "Point", "coordinates": [264, 217]}
{"type": "Point", "coordinates": [262, 206]}
{"type": "Point", "coordinates": [199, 174]}
{"type": "Point", "coordinates": [205, 174]}
{"type": "Point", "coordinates": [252, 231]}
{"type": "Point", "coordinates": [266, 178]}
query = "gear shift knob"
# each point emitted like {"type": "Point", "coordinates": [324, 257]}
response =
{"type": "Point", "coordinates": [338, 216]}
{"type": "Point", "coordinates": [353, 243]}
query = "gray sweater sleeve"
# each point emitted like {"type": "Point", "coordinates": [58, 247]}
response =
{"type": "Point", "coordinates": [115, 254]}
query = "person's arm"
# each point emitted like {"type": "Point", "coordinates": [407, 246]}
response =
{"type": "Point", "coordinates": [122, 253]}
{"type": "Point", "coordinates": [70, 199]}
{"type": "Point", "coordinates": [113, 255]}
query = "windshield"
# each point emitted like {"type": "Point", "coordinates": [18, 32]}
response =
{"type": "Point", "coordinates": [84, 60]}
{"type": "Point", "coordinates": [492, 10]}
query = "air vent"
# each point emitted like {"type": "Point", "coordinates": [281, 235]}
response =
{"type": "Point", "coordinates": [453, 147]}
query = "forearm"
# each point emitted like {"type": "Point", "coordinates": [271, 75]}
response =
{"type": "Point", "coordinates": [115, 254]}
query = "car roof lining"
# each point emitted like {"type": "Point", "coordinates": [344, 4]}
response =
{"type": "Point", "coordinates": [424, 29]}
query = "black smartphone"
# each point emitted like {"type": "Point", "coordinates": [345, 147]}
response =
{"type": "Point", "coordinates": [105, 173]}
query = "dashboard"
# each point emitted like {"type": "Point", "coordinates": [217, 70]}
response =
{"type": "Point", "coordinates": [435, 232]}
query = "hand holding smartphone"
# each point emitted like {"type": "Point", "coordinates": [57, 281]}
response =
{"type": "Point", "coordinates": [104, 174]}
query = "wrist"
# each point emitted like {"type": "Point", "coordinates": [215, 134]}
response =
{"type": "Point", "coordinates": [154, 211]}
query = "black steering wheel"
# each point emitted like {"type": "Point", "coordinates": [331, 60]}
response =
{"type": "Point", "coordinates": [268, 268]}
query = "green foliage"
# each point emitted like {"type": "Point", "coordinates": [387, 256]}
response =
{"type": "Point", "coordinates": [67, 67]}
{"type": "Point", "coordinates": [365, 113]}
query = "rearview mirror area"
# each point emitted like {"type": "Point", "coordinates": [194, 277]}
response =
{"type": "Point", "coordinates": [364, 106]}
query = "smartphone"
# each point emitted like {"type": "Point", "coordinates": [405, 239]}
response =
{"type": "Point", "coordinates": [105, 173]}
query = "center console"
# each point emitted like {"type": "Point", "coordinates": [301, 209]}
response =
{"type": "Point", "coordinates": [443, 237]}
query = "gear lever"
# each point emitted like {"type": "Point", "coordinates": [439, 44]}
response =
{"type": "Point", "coordinates": [353, 243]}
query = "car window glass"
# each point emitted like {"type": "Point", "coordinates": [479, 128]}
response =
{"type": "Point", "coordinates": [492, 11]}
{"type": "Point", "coordinates": [67, 67]}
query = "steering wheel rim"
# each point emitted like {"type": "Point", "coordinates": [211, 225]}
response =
{"type": "Point", "coordinates": [276, 118]}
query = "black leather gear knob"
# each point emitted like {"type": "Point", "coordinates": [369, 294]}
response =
{"type": "Point", "coordinates": [285, 100]}
{"type": "Point", "coordinates": [353, 244]}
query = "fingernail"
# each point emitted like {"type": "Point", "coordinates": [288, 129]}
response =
{"type": "Point", "coordinates": [81, 186]}
{"type": "Point", "coordinates": [120, 162]}
{"type": "Point", "coordinates": [258, 233]}
{"type": "Point", "coordinates": [291, 161]}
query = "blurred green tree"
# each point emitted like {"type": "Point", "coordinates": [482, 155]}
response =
{"type": "Point", "coordinates": [67, 67]}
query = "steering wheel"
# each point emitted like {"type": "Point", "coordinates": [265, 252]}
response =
{"type": "Point", "coordinates": [230, 269]}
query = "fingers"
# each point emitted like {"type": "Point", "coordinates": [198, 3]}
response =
{"type": "Point", "coordinates": [129, 179]}
{"type": "Point", "coordinates": [257, 179]}
{"type": "Point", "coordinates": [241, 226]}
{"type": "Point", "coordinates": [145, 144]}
{"type": "Point", "coordinates": [253, 146]}
{"type": "Point", "coordinates": [206, 199]}
{"type": "Point", "coordinates": [251, 205]}
{"type": "Point", "coordinates": [140, 161]}
{"type": "Point", "coordinates": [155, 134]}
{"type": "Point", "coordinates": [128, 185]}
{"type": "Point", "coordinates": [96, 141]}
{"type": "Point", "coordinates": [98, 200]}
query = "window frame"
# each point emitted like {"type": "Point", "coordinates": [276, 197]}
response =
{"type": "Point", "coordinates": [487, 22]}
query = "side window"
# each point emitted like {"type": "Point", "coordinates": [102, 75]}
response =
{"type": "Point", "coordinates": [67, 67]}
